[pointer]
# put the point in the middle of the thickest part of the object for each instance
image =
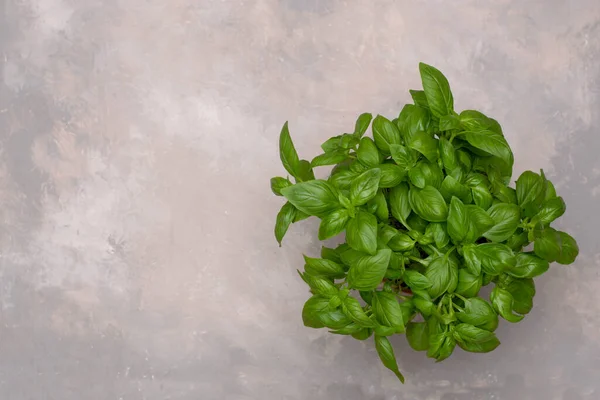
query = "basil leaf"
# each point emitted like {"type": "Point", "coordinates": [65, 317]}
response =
{"type": "Point", "coordinates": [385, 133]}
{"type": "Point", "coordinates": [480, 313]}
{"type": "Point", "coordinates": [425, 144]}
{"type": "Point", "coordinates": [323, 267]}
{"type": "Point", "coordinates": [287, 152]}
{"type": "Point", "coordinates": [312, 310]}
{"type": "Point", "coordinates": [569, 249]}
{"type": "Point", "coordinates": [349, 141]}
{"type": "Point", "coordinates": [314, 197]}
{"type": "Point", "coordinates": [331, 158]}
{"type": "Point", "coordinates": [483, 347]}
{"type": "Point", "coordinates": [362, 123]}
{"type": "Point", "coordinates": [439, 233]}
{"type": "Point", "coordinates": [342, 179]}
{"type": "Point", "coordinates": [458, 221]}
{"type": "Point", "coordinates": [522, 291]}
{"type": "Point", "coordinates": [350, 256]}
{"type": "Point", "coordinates": [448, 154]}
{"type": "Point", "coordinates": [403, 156]}
{"type": "Point", "coordinates": [471, 261]}
{"type": "Point", "coordinates": [349, 329]}
{"type": "Point", "coordinates": [332, 144]}
{"type": "Point", "coordinates": [391, 175]}
{"type": "Point", "coordinates": [449, 122]}
{"type": "Point", "coordinates": [386, 354]}
{"type": "Point", "coordinates": [517, 240]}
{"type": "Point", "coordinates": [426, 173]}
{"type": "Point", "coordinates": [361, 232]}
{"type": "Point", "coordinates": [428, 204]}
{"type": "Point", "coordinates": [442, 272]}
{"type": "Point", "coordinates": [319, 285]}
{"type": "Point", "coordinates": [468, 284]}
{"type": "Point", "coordinates": [355, 312]}
{"type": "Point", "coordinates": [480, 222]}
{"type": "Point", "coordinates": [368, 154]}
{"type": "Point", "coordinates": [417, 334]}
{"type": "Point", "coordinates": [531, 190]}
{"type": "Point", "coordinates": [305, 172]}
{"type": "Point", "coordinates": [419, 98]}
{"type": "Point", "coordinates": [492, 143]}
{"type": "Point", "coordinates": [495, 258]}
{"type": "Point", "coordinates": [451, 187]}
{"type": "Point", "coordinates": [482, 197]}
{"type": "Point", "coordinates": [278, 183]}
{"type": "Point", "coordinates": [416, 281]}
{"type": "Point", "coordinates": [381, 206]}
{"type": "Point", "coordinates": [363, 334]}
{"type": "Point", "coordinates": [401, 242]}
{"type": "Point", "coordinates": [551, 209]}
{"type": "Point", "coordinates": [333, 224]}
{"type": "Point", "coordinates": [472, 334]}
{"type": "Point", "coordinates": [507, 218]}
{"type": "Point", "coordinates": [503, 302]}
{"type": "Point", "coordinates": [446, 349]}
{"type": "Point", "coordinates": [368, 271]}
{"type": "Point", "coordinates": [364, 187]}
{"type": "Point", "coordinates": [399, 202]}
{"type": "Point", "coordinates": [504, 193]}
{"type": "Point", "coordinates": [550, 190]}
{"type": "Point", "coordinates": [332, 254]}
{"type": "Point", "coordinates": [472, 120]}
{"type": "Point", "coordinates": [284, 219]}
{"type": "Point", "coordinates": [547, 244]}
{"type": "Point", "coordinates": [528, 266]}
{"type": "Point", "coordinates": [387, 311]}
{"type": "Point", "coordinates": [437, 90]}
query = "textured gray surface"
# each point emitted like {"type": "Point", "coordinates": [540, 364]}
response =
{"type": "Point", "coordinates": [136, 143]}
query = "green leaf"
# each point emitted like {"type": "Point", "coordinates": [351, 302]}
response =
{"type": "Point", "coordinates": [442, 272]}
{"type": "Point", "coordinates": [503, 301]}
{"type": "Point", "coordinates": [439, 233]}
{"type": "Point", "coordinates": [425, 144]}
{"type": "Point", "coordinates": [492, 143]}
{"type": "Point", "coordinates": [391, 175]}
{"type": "Point", "coordinates": [426, 173]}
{"type": "Point", "coordinates": [468, 284]}
{"type": "Point", "coordinates": [312, 309]}
{"type": "Point", "coordinates": [507, 218]}
{"type": "Point", "coordinates": [448, 154]}
{"type": "Point", "coordinates": [319, 285]}
{"type": "Point", "coordinates": [472, 334]}
{"type": "Point", "coordinates": [458, 221]}
{"type": "Point", "coordinates": [362, 123]}
{"type": "Point", "coordinates": [495, 258]}
{"type": "Point", "coordinates": [368, 154]}
{"type": "Point", "coordinates": [449, 122]}
{"type": "Point", "coordinates": [522, 291]}
{"type": "Point", "coordinates": [528, 265]}
{"type": "Point", "coordinates": [415, 280]}
{"type": "Point", "coordinates": [569, 249]}
{"type": "Point", "coordinates": [419, 98]}
{"type": "Point", "coordinates": [428, 204]}
{"type": "Point", "coordinates": [401, 242]}
{"type": "Point", "coordinates": [551, 210]}
{"type": "Point", "coordinates": [482, 197]}
{"type": "Point", "coordinates": [387, 311]}
{"type": "Point", "coordinates": [504, 193]}
{"type": "Point", "coordinates": [368, 271]}
{"type": "Point", "coordinates": [364, 187]}
{"type": "Point", "coordinates": [451, 187]}
{"type": "Point", "coordinates": [531, 189]}
{"type": "Point", "coordinates": [287, 152]}
{"type": "Point", "coordinates": [331, 254]}
{"type": "Point", "coordinates": [332, 158]}
{"type": "Point", "coordinates": [400, 203]}
{"type": "Point", "coordinates": [417, 334]}
{"type": "Point", "coordinates": [361, 232]}
{"type": "Point", "coordinates": [354, 310]}
{"type": "Point", "coordinates": [385, 133]}
{"type": "Point", "coordinates": [284, 219]}
{"type": "Point", "coordinates": [547, 244]}
{"type": "Point", "coordinates": [381, 206]}
{"type": "Point", "coordinates": [386, 233]}
{"type": "Point", "coordinates": [471, 261]}
{"type": "Point", "coordinates": [386, 354]}
{"type": "Point", "coordinates": [349, 141]}
{"type": "Point", "coordinates": [472, 120]}
{"type": "Point", "coordinates": [278, 183]}
{"type": "Point", "coordinates": [480, 313]}
{"type": "Point", "coordinates": [518, 240]}
{"type": "Point", "coordinates": [335, 319]}
{"type": "Point", "coordinates": [333, 224]}
{"type": "Point", "coordinates": [480, 222]}
{"type": "Point", "coordinates": [323, 267]}
{"type": "Point", "coordinates": [332, 144]}
{"type": "Point", "coordinates": [403, 156]}
{"type": "Point", "coordinates": [483, 347]}
{"type": "Point", "coordinates": [305, 172]}
{"type": "Point", "coordinates": [363, 334]}
{"type": "Point", "coordinates": [437, 90]}
{"type": "Point", "coordinates": [342, 179]}
{"type": "Point", "coordinates": [314, 197]}
{"type": "Point", "coordinates": [446, 349]}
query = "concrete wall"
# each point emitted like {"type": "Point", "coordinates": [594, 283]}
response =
{"type": "Point", "coordinates": [137, 139]}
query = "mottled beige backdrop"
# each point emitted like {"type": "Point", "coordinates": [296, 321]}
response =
{"type": "Point", "coordinates": [137, 139]}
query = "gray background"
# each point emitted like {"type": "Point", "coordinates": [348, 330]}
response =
{"type": "Point", "coordinates": [137, 138]}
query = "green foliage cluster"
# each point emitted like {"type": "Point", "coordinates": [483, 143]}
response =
{"type": "Point", "coordinates": [429, 220]}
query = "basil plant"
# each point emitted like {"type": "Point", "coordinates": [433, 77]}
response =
{"type": "Point", "coordinates": [429, 219]}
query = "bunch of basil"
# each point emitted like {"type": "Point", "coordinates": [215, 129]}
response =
{"type": "Point", "coordinates": [429, 219]}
